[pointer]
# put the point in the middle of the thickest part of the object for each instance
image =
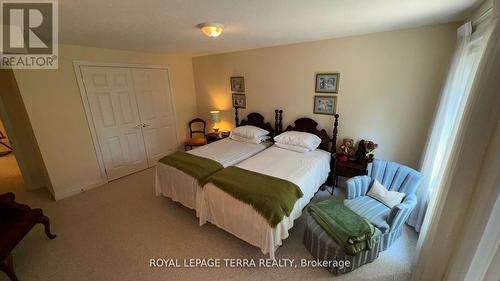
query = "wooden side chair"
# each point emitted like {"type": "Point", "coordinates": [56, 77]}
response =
{"type": "Point", "coordinates": [198, 140]}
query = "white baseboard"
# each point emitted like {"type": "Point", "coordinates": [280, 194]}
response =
{"type": "Point", "coordinates": [59, 195]}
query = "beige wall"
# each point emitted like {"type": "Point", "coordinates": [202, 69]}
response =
{"type": "Point", "coordinates": [388, 88]}
{"type": "Point", "coordinates": [54, 106]}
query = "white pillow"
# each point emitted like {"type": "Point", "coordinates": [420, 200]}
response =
{"type": "Point", "coordinates": [388, 198]}
{"type": "Point", "coordinates": [292, 147]}
{"type": "Point", "coordinates": [249, 132]}
{"type": "Point", "coordinates": [254, 140]}
{"type": "Point", "coordinates": [302, 139]}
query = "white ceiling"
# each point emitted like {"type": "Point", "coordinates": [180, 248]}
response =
{"type": "Point", "coordinates": [170, 25]}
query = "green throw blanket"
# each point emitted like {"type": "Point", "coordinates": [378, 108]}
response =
{"type": "Point", "coordinates": [197, 167]}
{"type": "Point", "coordinates": [351, 231]}
{"type": "Point", "coordinates": [271, 197]}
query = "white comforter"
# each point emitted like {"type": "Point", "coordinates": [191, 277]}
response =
{"type": "Point", "coordinates": [183, 188]}
{"type": "Point", "coordinates": [307, 170]}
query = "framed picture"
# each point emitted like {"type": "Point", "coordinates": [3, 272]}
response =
{"type": "Point", "coordinates": [327, 83]}
{"type": "Point", "coordinates": [237, 84]}
{"type": "Point", "coordinates": [239, 100]}
{"type": "Point", "coordinates": [325, 105]}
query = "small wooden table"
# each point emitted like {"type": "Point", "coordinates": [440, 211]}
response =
{"type": "Point", "coordinates": [211, 137]}
{"type": "Point", "coordinates": [347, 169]}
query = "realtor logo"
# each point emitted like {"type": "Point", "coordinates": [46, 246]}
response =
{"type": "Point", "coordinates": [29, 35]}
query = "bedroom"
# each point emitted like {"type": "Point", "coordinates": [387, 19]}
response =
{"type": "Point", "coordinates": [396, 70]}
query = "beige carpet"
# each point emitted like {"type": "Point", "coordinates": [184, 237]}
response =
{"type": "Point", "coordinates": [111, 232]}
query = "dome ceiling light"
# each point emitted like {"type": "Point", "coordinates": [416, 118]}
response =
{"type": "Point", "coordinates": [211, 29]}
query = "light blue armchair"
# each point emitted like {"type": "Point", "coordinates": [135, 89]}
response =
{"type": "Point", "coordinates": [395, 177]}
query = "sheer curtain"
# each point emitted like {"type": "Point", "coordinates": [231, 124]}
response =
{"type": "Point", "coordinates": [448, 116]}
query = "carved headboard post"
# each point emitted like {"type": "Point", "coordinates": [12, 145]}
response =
{"type": "Point", "coordinates": [334, 136]}
{"type": "Point", "coordinates": [280, 124]}
{"type": "Point", "coordinates": [276, 122]}
{"type": "Point", "coordinates": [236, 119]}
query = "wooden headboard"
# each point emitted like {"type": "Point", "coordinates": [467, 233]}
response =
{"type": "Point", "coordinates": [310, 126]}
{"type": "Point", "coordinates": [257, 120]}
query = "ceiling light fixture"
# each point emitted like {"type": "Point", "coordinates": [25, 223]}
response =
{"type": "Point", "coordinates": [211, 29]}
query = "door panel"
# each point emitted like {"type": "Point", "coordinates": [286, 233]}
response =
{"type": "Point", "coordinates": [115, 114]}
{"type": "Point", "coordinates": [156, 110]}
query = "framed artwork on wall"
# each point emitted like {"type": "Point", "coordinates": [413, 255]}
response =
{"type": "Point", "coordinates": [239, 100]}
{"type": "Point", "coordinates": [327, 83]}
{"type": "Point", "coordinates": [237, 84]}
{"type": "Point", "coordinates": [325, 105]}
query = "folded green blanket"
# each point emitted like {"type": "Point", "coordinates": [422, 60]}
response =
{"type": "Point", "coordinates": [351, 231]}
{"type": "Point", "coordinates": [197, 167]}
{"type": "Point", "coordinates": [271, 197]}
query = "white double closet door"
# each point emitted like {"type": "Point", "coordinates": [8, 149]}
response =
{"type": "Point", "coordinates": [133, 116]}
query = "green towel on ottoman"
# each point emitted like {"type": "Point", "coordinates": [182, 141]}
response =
{"type": "Point", "coordinates": [351, 231]}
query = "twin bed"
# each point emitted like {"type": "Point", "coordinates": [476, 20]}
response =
{"type": "Point", "coordinates": [183, 188]}
{"type": "Point", "coordinates": [308, 171]}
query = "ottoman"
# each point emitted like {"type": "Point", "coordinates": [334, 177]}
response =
{"type": "Point", "coordinates": [324, 248]}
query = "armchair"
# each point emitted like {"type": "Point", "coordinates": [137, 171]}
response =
{"type": "Point", "coordinates": [395, 177]}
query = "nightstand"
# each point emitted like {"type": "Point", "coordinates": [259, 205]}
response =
{"type": "Point", "coordinates": [347, 169]}
{"type": "Point", "coordinates": [211, 137]}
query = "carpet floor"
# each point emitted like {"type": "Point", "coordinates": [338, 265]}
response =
{"type": "Point", "coordinates": [111, 233]}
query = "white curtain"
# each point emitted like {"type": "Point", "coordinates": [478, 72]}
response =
{"type": "Point", "coordinates": [447, 118]}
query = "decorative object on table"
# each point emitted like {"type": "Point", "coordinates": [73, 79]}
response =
{"type": "Point", "coordinates": [370, 148]}
{"type": "Point", "coordinates": [215, 119]}
{"type": "Point", "coordinates": [327, 83]}
{"type": "Point", "coordinates": [199, 139]}
{"type": "Point", "coordinates": [325, 105]}
{"type": "Point", "coordinates": [239, 100]}
{"type": "Point", "coordinates": [390, 175]}
{"type": "Point", "coordinates": [237, 84]}
{"type": "Point", "coordinates": [346, 149]}
{"type": "Point", "coordinates": [366, 151]}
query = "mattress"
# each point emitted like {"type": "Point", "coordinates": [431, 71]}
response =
{"type": "Point", "coordinates": [307, 170]}
{"type": "Point", "coordinates": [183, 188]}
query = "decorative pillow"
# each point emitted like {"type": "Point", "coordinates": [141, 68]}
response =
{"type": "Point", "coordinates": [249, 132]}
{"type": "Point", "coordinates": [254, 140]}
{"type": "Point", "coordinates": [388, 198]}
{"type": "Point", "coordinates": [292, 147]}
{"type": "Point", "coordinates": [302, 139]}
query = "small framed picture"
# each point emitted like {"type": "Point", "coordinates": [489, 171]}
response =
{"type": "Point", "coordinates": [237, 84]}
{"type": "Point", "coordinates": [325, 105]}
{"type": "Point", "coordinates": [327, 83]}
{"type": "Point", "coordinates": [239, 100]}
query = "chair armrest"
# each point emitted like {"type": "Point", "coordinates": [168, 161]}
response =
{"type": "Point", "coordinates": [7, 201]}
{"type": "Point", "coordinates": [400, 213]}
{"type": "Point", "coordinates": [358, 186]}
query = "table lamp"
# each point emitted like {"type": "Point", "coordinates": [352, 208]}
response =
{"type": "Point", "coordinates": [215, 119]}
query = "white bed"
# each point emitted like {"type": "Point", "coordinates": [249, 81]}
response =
{"type": "Point", "coordinates": [307, 170]}
{"type": "Point", "coordinates": [183, 188]}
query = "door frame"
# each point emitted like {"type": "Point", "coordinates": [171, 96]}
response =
{"type": "Point", "coordinates": [77, 64]}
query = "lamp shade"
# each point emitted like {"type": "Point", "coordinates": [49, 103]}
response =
{"type": "Point", "coordinates": [215, 116]}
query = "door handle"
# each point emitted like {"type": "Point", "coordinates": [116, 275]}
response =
{"type": "Point", "coordinates": [137, 126]}
{"type": "Point", "coordinates": [145, 125]}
